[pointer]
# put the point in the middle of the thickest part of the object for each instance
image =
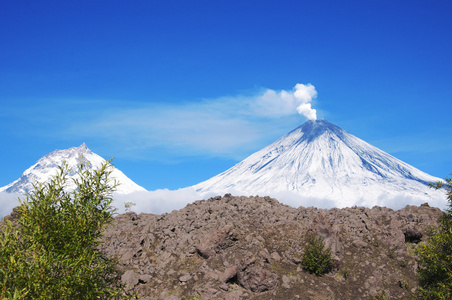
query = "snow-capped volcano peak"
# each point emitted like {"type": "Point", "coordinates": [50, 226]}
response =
{"type": "Point", "coordinates": [311, 129]}
{"type": "Point", "coordinates": [319, 160]}
{"type": "Point", "coordinates": [47, 166]}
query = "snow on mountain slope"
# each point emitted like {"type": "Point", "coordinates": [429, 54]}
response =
{"type": "Point", "coordinates": [319, 160]}
{"type": "Point", "coordinates": [47, 166]}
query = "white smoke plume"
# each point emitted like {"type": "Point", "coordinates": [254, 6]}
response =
{"type": "Point", "coordinates": [282, 103]}
{"type": "Point", "coordinates": [304, 94]}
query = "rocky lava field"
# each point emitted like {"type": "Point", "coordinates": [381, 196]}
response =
{"type": "Point", "coordinates": [251, 248]}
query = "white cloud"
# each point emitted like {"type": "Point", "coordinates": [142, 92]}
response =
{"type": "Point", "coordinates": [156, 202]}
{"type": "Point", "coordinates": [165, 201]}
{"type": "Point", "coordinates": [222, 126]}
{"type": "Point", "coordinates": [7, 202]}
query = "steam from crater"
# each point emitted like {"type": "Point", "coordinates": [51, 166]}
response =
{"type": "Point", "coordinates": [304, 95]}
{"type": "Point", "coordinates": [281, 103]}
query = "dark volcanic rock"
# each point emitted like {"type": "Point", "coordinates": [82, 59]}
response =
{"type": "Point", "coordinates": [251, 248]}
{"type": "Point", "coordinates": [215, 241]}
{"type": "Point", "coordinates": [257, 279]}
{"type": "Point", "coordinates": [412, 234]}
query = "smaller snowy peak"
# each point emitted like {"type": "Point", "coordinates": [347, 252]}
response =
{"type": "Point", "coordinates": [47, 167]}
{"type": "Point", "coordinates": [71, 152]}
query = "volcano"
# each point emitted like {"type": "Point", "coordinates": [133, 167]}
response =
{"type": "Point", "coordinates": [47, 166]}
{"type": "Point", "coordinates": [323, 165]}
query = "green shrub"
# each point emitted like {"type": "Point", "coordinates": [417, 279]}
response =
{"type": "Point", "coordinates": [316, 258]}
{"type": "Point", "coordinates": [435, 257]}
{"type": "Point", "coordinates": [380, 295]}
{"type": "Point", "coordinates": [51, 250]}
{"type": "Point", "coordinates": [128, 206]}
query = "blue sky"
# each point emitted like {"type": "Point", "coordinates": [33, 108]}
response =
{"type": "Point", "coordinates": [175, 90]}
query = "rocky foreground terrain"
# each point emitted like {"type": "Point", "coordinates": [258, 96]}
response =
{"type": "Point", "coordinates": [251, 248]}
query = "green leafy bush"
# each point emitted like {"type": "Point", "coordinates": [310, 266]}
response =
{"type": "Point", "coordinates": [316, 258]}
{"type": "Point", "coordinates": [435, 257]}
{"type": "Point", "coordinates": [51, 250]}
